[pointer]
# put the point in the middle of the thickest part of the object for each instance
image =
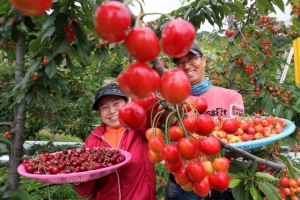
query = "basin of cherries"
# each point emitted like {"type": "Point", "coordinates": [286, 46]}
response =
{"type": "Point", "coordinates": [73, 161]}
{"type": "Point", "coordinates": [243, 129]}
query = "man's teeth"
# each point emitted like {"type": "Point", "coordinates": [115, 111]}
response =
{"type": "Point", "coordinates": [190, 73]}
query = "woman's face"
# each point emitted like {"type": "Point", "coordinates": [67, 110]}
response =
{"type": "Point", "coordinates": [109, 107]}
{"type": "Point", "coordinates": [193, 66]}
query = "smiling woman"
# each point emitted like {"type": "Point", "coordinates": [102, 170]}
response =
{"type": "Point", "coordinates": [138, 174]}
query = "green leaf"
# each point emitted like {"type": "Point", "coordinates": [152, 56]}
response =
{"type": "Point", "coordinates": [253, 168]}
{"type": "Point", "coordinates": [260, 7]}
{"type": "Point", "coordinates": [49, 20]}
{"type": "Point", "coordinates": [239, 164]}
{"type": "Point", "coordinates": [36, 44]}
{"type": "Point", "coordinates": [60, 44]}
{"type": "Point", "coordinates": [258, 104]}
{"type": "Point", "coordinates": [239, 13]}
{"type": "Point", "coordinates": [239, 191]}
{"type": "Point", "coordinates": [265, 176]}
{"type": "Point", "coordinates": [187, 12]}
{"type": "Point", "coordinates": [5, 141]}
{"type": "Point", "coordinates": [289, 166]}
{"type": "Point", "coordinates": [255, 193]}
{"type": "Point", "coordinates": [104, 53]}
{"type": "Point", "coordinates": [295, 2]}
{"type": "Point", "coordinates": [234, 182]}
{"type": "Point", "coordinates": [3, 149]}
{"type": "Point", "coordinates": [280, 4]}
{"type": "Point", "coordinates": [23, 194]}
{"type": "Point", "coordinates": [83, 49]}
{"type": "Point", "coordinates": [279, 109]}
{"type": "Point", "coordinates": [61, 21]}
{"type": "Point", "coordinates": [269, 191]}
{"type": "Point", "coordinates": [50, 69]}
{"type": "Point", "coordinates": [297, 108]}
{"type": "Point", "coordinates": [232, 73]}
{"type": "Point", "coordinates": [48, 33]}
{"type": "Point", "coordinates": [288, 114]}
{"type": "Point", "coordinates": [268, 105]}
{"type": "Point", "coordinates": [266, 4]}
{"type": "Point", "coordinates": [248, 59]}
{"type": "Point", "coordinates": [69, 63]}
{"type": "Point", "coordinates": [200, 4]}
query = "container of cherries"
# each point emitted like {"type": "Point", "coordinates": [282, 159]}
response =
{"type": "Point", "coordinates": [74, 165]}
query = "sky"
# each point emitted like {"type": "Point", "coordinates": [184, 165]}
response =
{"type": "Point", "coordinates": [166, 6]}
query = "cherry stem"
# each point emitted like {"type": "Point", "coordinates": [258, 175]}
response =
{"type": "Point", "coordinates": [168, 126]}
{"type": "Point", "coordinates": [158, 115]}
{"type": "Point", "coordinates": [151, 116]}
{"type": "Point", "coordinates": [180, 120]}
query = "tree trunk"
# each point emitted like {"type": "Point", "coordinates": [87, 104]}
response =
{"type": "Point", "coordinates": [230, 28]}
{"type": "Point", "coordinates": [18, 125]}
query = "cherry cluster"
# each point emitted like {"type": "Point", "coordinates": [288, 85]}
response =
{"type": "Point", "coordinates": [73, 161]}
{"type": "Point", "coordinates": [288, 187]}
{"type": "Point", "coordinates": [70, 33]}
{"type": "Point", "coordinates": [192, 158]}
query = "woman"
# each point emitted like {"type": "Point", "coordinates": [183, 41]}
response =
{"type": "Point", "coordinates": [136, 180]}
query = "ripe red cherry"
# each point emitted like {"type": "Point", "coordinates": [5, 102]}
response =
{"type": "Point", "coordinates": [112, 20]}
{"type": "Point", "coordinates": [204, 125]}
{"type": "Point", "coordinates": [200, 104]}
{"type": "Point", "coordinates": [32, 7]}
{"type": "Point", "coordinates": [147, 102]}
{"type": "Point", "coordinates": [175, 133]}
{"type": "Point", "coordinates": [219, 181]}
{"type": "Point", "coordinates": [262, 167]}
{"type": "Point", "coordinates": [175, 86]}
{"type": "Point", "coordinates": [189, 123]}
{"type": "Point", "coordinates": [132, 116]}
{"type": "Point", "coordinates": [187, 148]}
{"type": "Point", "coordinates": [177, 37]}
{"type": "Point", "coordinates": [138, 80]}
{"type": "Point", "coordinates": [209, 146]}
{"type": "Point", "coordinates": [142, 43]}
{"type": "Point", "coordinates": [170, 154]}
{"type": "Point", "coordinates": [230, 126]}
{"type": "Point", "coordinates": [201, 188]}
{"type": "Point", "coordinates": [196, 171]}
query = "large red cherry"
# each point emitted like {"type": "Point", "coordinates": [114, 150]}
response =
{"type": "Point", "coordinates": [175, 86]}
{"type": "Point", "coordinates": [142, 43]}
{"type": "Point", "coordinates": [204, 125]}
{"type": "Point", "coordinates": [132, 116]}
{"type": "Point", "coordinates": [138, 80]}
{"type": "Point", "coordinates": [177, 37]}
{"type": "Point", "coordinates": [112, 20]}
{"type": "Point", "coordinates": [32, 7]}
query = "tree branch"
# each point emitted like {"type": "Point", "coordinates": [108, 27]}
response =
{"type": "Point", "coordinates": [248, 155]}
{"type": "Point", "coordinates": [6, 124]}
{"type": "Point", "coordinates": [247, 19]}
{"type": "Point", "coordinates": [212, 36]}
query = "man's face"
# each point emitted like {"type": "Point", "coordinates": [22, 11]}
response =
{"type": "Point", "coordinates": [193, 66]}
{"type": "Point", "coordinates": [109, 107]}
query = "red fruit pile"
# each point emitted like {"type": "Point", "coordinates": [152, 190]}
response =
{"type": "Point", "coordinates": [73, 161]}
{"type": "Point", "coordinates": [243, 129]}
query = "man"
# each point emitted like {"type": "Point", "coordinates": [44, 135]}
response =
{"type": "Point", "coordinates": [220, 101]}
